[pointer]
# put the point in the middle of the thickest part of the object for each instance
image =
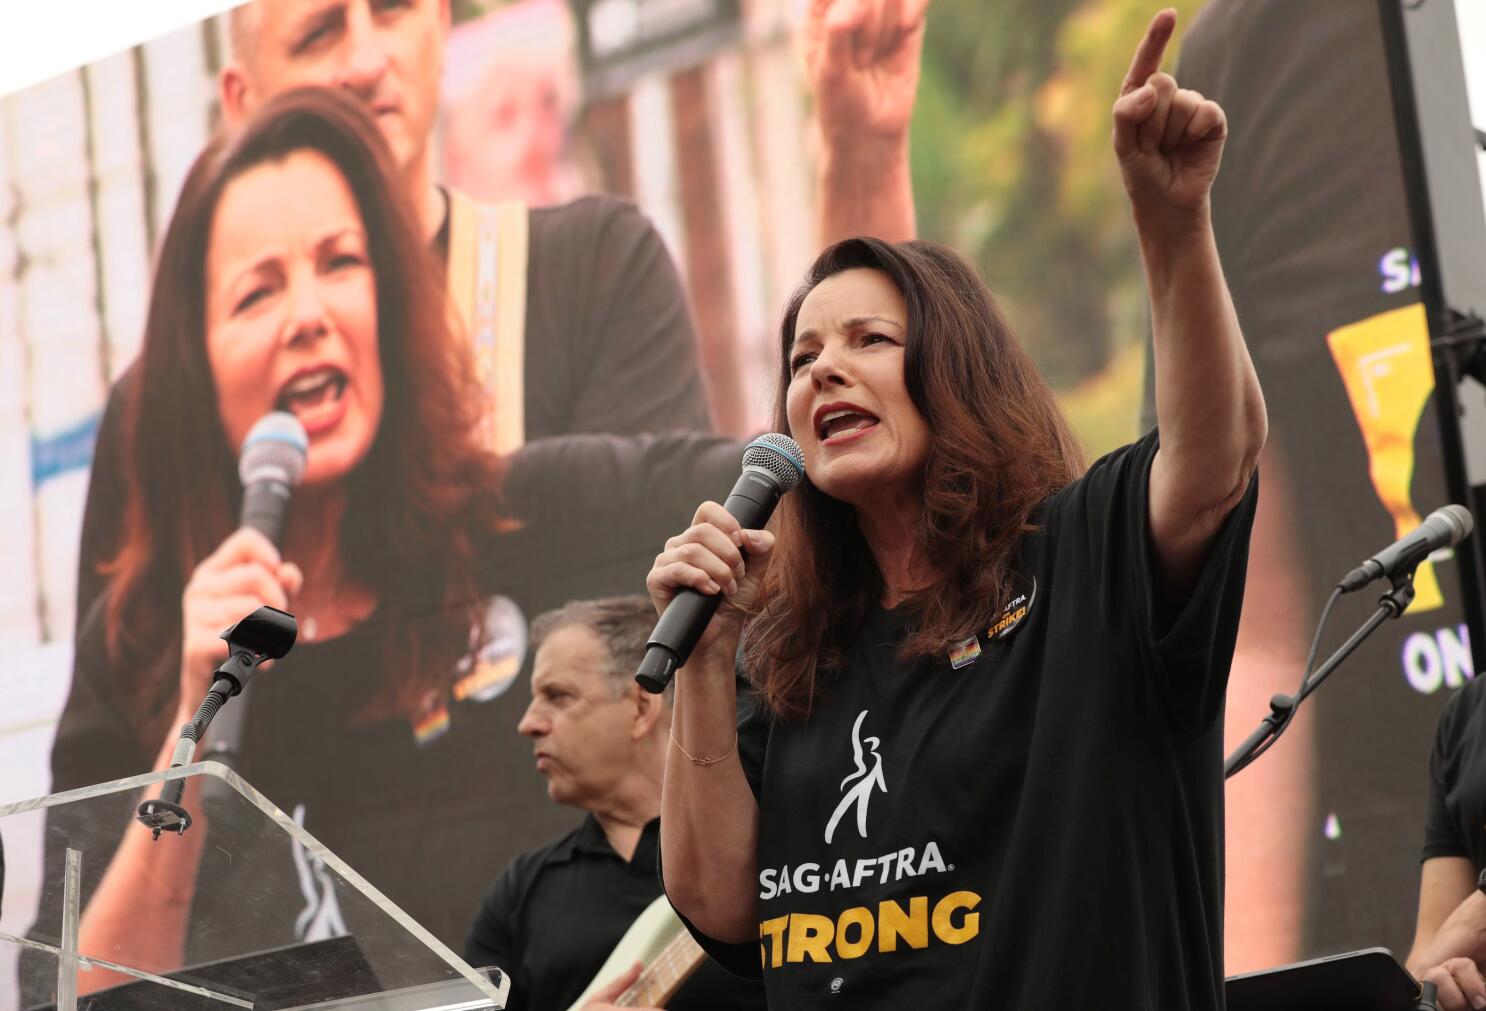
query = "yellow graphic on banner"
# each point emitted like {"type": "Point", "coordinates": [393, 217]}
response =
{"type": "Point", "coordinates": [1386, 366]}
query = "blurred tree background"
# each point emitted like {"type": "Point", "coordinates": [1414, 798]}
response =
{"type": "Point", "coordinates": [1013, 166]}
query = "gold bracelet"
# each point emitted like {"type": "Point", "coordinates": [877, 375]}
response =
{"type": "Point", "coordinates": [704, 762]}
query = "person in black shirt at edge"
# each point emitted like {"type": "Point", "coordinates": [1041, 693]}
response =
{"type": "Point", "coordinates": [555, 914]}
{"type": "Point", "coordinates": [982, 766]}
{"type": "Point", "coordinates": [1450, 934]}
{"type": "Point", "coordinates": [292, 277]}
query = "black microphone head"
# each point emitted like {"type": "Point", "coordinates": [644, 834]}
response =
{"type": "Point", "coordinates": [779, 455]}
{"type": "Point", "coordinates": [275, 450]}
{"type": "Point", "coordinates": [1458, 519]}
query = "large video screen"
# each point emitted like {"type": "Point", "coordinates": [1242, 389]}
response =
{"type": "Point", "coordinates": [618, 198]}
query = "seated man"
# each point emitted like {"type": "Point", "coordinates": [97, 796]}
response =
{"type": "Point", "coordinates": [555, 914]}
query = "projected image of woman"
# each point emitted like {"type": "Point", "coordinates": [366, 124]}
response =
{"type": "Point", "coordinates": [292, 278]}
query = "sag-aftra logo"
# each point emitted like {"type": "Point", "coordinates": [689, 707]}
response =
{"type": "Point", "coordinates": [888, 925]}
{"type": "Point", "coordinates": [866, 781]}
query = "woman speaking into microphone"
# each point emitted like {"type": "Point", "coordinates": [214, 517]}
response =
{"type": "Point", "coordinates": [292, 277]}
{"type": "Point", "coordinates": [981, 762]}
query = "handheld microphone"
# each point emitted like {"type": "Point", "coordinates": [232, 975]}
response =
{"type": "Point", "coordinates": [1445, 527]}
{"type": "Point", "coordinates": [772, 465]}
{"type": "Point", "coordinates": [270, 464]}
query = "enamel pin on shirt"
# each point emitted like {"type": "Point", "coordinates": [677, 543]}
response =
{"type": "Point", "coordinates": [963, 654]}
{"type": "Point", "coordinates": [1016, 611]}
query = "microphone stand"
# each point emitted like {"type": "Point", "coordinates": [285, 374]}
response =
{"type": "Point", "coordinates": [166, 814]}
{"type": "Point", "coordinates": [1282, 707]}
{"type": "Point", "coordinates": [266, 634]}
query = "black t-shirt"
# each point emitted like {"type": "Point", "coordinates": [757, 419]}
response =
{"type": "Point", "coordinates": [555, 914]}
{"type": "Point", "coordinates": [1041, 827]}
{"type": "Point", "coordinates": [426, 814]}
{"type": "Point", "coordinates": [1456, 826]}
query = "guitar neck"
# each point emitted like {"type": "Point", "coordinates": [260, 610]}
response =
{"type": "Point", "coordinates": [663, 976]}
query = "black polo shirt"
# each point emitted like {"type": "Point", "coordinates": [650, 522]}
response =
{"type": "Point", "coordinates": [1457, 779]}
{"type": "Point", "coordinates": [555, 914]}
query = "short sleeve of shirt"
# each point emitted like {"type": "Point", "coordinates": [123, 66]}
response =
{"type": "Point", "coordinates": [1100, 531]}
{"type": "Point", "coordinates": [753, 736]}
{"type": "Point", "coordinates": [589, 502]}
{"type": "Point", "coordinates": [491, 939]}
{"type": "Point", "coordinates": [1441, 832]}
{"type": "Point", "coordinates": [610, 342]}
{"type": "Point", "coordinates": [494, 937]}
{"type": "Point", "coordinates": [753, 742]}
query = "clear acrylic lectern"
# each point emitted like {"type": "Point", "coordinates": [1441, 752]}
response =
{"type": "Point", "coordinates": [377, 957]}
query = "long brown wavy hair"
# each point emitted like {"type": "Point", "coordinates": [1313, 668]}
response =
{"type": "Point", "coordinates": [417, 505]}
{"type": "Point", "coordinates": [999, 445]}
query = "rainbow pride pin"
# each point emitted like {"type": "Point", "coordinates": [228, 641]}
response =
{"type": "Point", "coordinates": [432, 726]}
{"type": "Point", "coordinates": [965, 653]}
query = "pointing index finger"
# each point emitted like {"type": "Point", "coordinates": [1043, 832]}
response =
{"type": "Point", "coordinates": [1148, 55]}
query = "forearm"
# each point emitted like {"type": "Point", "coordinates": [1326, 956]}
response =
{"type": "Point", "coordinates": [140, 912]}
{"type": "Point", "coordinates": [1461, 942]}
{"type": "Point", "coordinates": [1208, 403]}
{"type": "Point", "coordinates": [866, 190]}
{"type": "Point", "coordinates": [709, 818]}
{"type": "Point", "coordinates": [1461, 935]}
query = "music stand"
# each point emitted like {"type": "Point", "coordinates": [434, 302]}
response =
{"type": "Point", "coordinates": [1368, 980]}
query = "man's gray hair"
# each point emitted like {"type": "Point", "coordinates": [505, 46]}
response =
{"type": "Point", "coordinates": [622, 626]}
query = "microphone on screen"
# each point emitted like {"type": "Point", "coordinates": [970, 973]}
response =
{"type": "Point", "coordinates": [270, 464]}
{"type": "Point", "coordinates": [772, 465]}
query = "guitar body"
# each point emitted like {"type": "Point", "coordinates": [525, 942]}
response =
{"type": "Point", "coordinates": [657, 939]}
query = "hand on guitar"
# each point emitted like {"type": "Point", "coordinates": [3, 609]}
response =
{"type": "Point", "coordinates": [607, 998]}
{"type": "Point", "coordinates": [1460, 985]}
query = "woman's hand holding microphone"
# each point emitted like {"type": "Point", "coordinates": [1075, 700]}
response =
{"type": "Point", "coordinates": [243, 574]}
{"type": "Point", "coordinates": [709, 557]}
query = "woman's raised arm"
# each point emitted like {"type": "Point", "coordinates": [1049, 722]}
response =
{"type": "Point", "coordinates": [1209, 408]}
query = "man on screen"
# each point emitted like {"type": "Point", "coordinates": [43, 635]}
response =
{"type": "Point", "coordinates": [556, 912]}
